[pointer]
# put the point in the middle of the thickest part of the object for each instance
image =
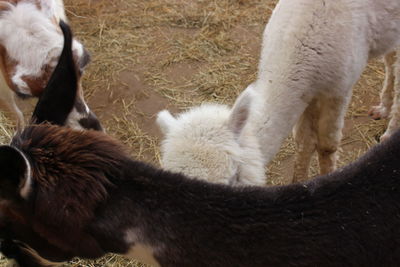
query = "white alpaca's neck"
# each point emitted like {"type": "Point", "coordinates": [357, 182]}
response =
{"type": "Point", "coordinates": [272, 118]}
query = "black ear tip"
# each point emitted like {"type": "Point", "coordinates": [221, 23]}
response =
{"type": "Point", "coordinates": [66, 32]}
{"type": "Point", "coordinates": [64, 26]}
{"type": "Point", "coordinates": [9, 153]}
{"type": "Point", "coordinates": [13, 162]}
{"type": "Point", "coordinates": [6, 151]}
{"type": "Point", "coordinates": [9, 249]}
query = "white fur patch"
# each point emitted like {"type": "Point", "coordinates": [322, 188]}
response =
{"type": "Point", "coordinates": [60, 10]}
{"type": "Point", "coordinates": [143, 254]}
{"type": "Point", "coordinates": [138, 251]}
{"type": "Point", "coordinates": [201, 144]}
{"type": "Point", "coordinates": [78, 48]}
{"type": "Point", "coordinates": [165, 120]}
{"type": "Point", "coordinates": [73, 119]}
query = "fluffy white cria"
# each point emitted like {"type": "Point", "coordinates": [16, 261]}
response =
{"type": "Point", "coordinates": [205, 143]}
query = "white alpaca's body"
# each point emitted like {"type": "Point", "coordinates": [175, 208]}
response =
{"type": "Point", "coordinates": [326, 45]}
{"type": "Point", "coordinates": [313, 53]}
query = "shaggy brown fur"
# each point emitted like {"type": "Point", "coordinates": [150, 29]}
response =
{"type": "Point", "coordinates": [69, 163]}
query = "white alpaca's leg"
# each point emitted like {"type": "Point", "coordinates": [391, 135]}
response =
{"type": "Point", "coordinates": [18, 113]}
{"type": "Point", "coordinates": [386, 96]}
{"type": "Point", "coordinates": [330, 124]}
{"type": "Point", "coordinates": [305, 137]}
{"type": "Point", "coordinates": [394, 122]}
{"type": "Point", "coordinates": [8, 96]}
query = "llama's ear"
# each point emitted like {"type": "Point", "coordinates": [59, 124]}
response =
{"type": "Point", "coordinates": [47, 7]}
{"type": "Point", "coordinates": [58, 98]}
{"type": "Point", "coordinates": [165, 120]}
{"type": "Point", "coordinates": [15, 174]}
{"type": "Point", "coordinates": [240, 112]}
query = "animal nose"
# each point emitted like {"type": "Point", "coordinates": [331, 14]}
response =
{"type": "Point", "coordinates": [91, 122]}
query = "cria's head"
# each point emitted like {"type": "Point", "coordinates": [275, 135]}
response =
{"type": "Point", "coordinates": [204, 142]}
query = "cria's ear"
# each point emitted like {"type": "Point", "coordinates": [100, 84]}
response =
{"type": "Point", "coordinates": [58, 98]}
{"type": "Point", "coordinates": [240, 112]}
{"type": "Point", "coordinates": [165, 120]}
{"type": "Point", "coordinates": [15, 174]}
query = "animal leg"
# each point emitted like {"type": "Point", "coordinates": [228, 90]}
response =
{"type": "Point", "coordinates": [386, 96]}
{"type": "Point", "coordinates": [8, 96]}
{"type": "Point", "coordinates": [305, 137]}
{"type": "Point", "coordinates": [330, 124]}
{"type": "Point", "coordinates": [394, 122]}
{"type": "Point", "coordinates": [18, 113]}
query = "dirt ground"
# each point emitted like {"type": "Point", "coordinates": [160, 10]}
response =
{"type": "Point", "coordinates": [148, 55]}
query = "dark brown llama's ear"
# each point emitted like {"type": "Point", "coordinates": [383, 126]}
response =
{"type": "Point", "coordinates": [15, 174]}
{"type": "Point", "coordinates": [58, 98]}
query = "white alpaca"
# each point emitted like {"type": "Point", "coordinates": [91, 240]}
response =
{"type": "Point", "coordinates": [313, 53]}
{"type": "Point", "coordinates": [30, 44]}
{"type": "Point", "coordinates": [205, 143]}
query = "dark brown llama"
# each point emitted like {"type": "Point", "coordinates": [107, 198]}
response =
{"type": "Point", "coordinates": [69, 193]}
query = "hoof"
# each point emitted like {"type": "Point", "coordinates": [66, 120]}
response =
{"type": "Point", "coordinates": [385, 137]}
{"type": "Point", "coordinates": [378, 112]}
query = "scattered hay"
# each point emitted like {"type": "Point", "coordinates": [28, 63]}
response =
{"type": "Point", "coordinates": [144, 146]}
{"type": "Point", "coordinates": [108, 260]}
{"type": "Point", "coordinates": [7, 127]}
